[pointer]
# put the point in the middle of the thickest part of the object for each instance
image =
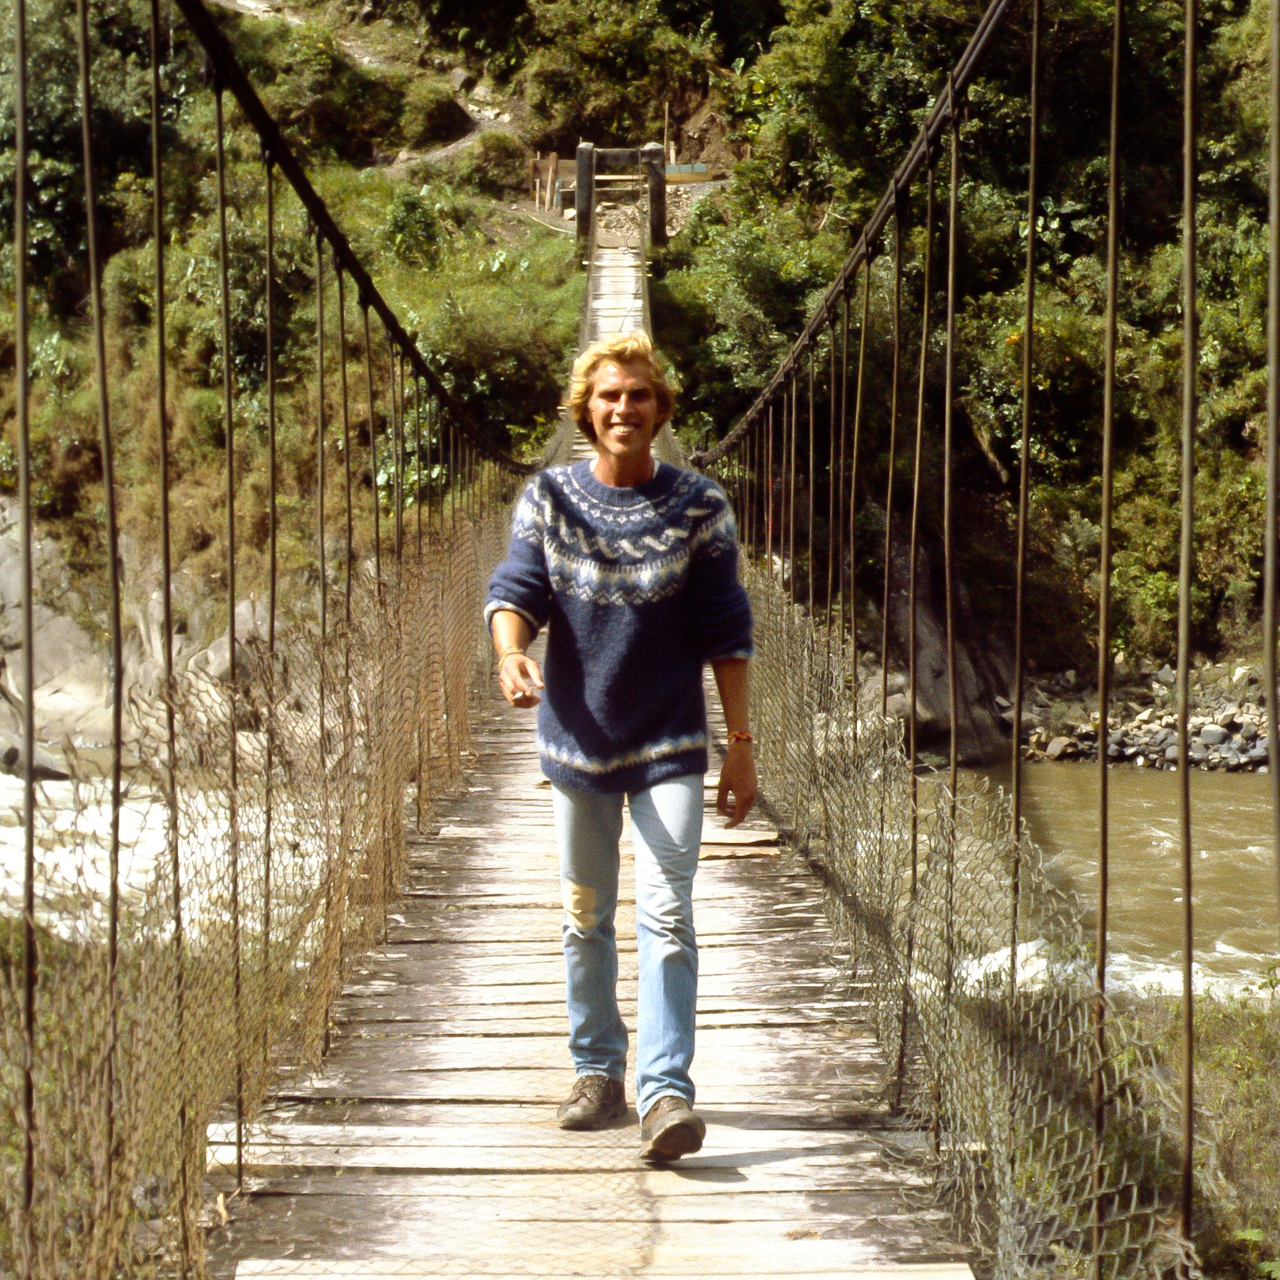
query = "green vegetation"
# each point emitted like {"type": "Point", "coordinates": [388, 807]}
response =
{"type": "Point", "coordinates": [815, 101]}
{"type": "Point", "coordinates": [827, 111]}
{"type": "Point", "coordinates": [1238, 1131]}
{"type": "Point", "coordinates": [491, 295]}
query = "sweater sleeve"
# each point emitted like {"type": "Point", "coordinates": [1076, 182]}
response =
{"type": "Point", "coordinates": [722, 612]}
{"type": "Point", "coordinates": [521, 582]}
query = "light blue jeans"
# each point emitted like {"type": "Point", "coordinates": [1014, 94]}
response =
{"type": "Point", "coordinates": [666, 825]}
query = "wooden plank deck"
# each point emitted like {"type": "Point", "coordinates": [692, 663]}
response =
{"type": "Point", "coordinates": [426, 1144]}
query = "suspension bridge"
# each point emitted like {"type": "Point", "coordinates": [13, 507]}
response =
{"type": "Point", "coordinates": [281, 991]}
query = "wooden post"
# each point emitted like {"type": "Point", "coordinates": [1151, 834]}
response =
{"type": "Point", "coordinates": [584, 196]}
{"type": "Point", "coordinates": [553, 171]}
{"type": "Point", "coordinates": [654, 162]}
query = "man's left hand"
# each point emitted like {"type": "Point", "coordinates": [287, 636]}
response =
{"type": "Point", "coordinates": [737, 778]}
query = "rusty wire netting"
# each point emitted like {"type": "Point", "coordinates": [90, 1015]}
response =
{"type": "Point", "coordinates": [1001, 1074]}
{"type": "Point", "coordinates": [235, 925]}
{"type": "Point", "coordinates": [1062, 1143]}
{"type": "Point", "coordinates": [179, 909]}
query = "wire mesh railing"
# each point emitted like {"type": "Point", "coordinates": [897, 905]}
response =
{"type": "Point", "coordinates": [1054, 1127]}
{"type": "Point", "coordinates": [177, 911]}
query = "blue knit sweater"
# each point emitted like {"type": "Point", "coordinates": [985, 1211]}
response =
{"type": "Point", "coordinates": [638, 587]}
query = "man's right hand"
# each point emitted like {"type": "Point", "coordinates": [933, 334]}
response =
{"type": "Point", "coordinates": [519, 677]}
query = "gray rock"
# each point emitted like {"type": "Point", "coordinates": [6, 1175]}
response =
{"type": "Point", "coordinates": [1197, 752]}
{"type": "Point", "coordinates": [462, 80]}
{"type": "Point", "coordinates": [1061, 747]}
{"type": "Point", "coordinates": [368, 14]}
{"type": "Point", "coordinates": [1256, 755]}
{"type": "Point", "coordinates": [1248, 730]}
{"type": "Point", "coordinates": [1165, 675]}
{"type": "Point", "coordinates": [49, 766]}
{"type": "Point", "coordinates": [1171, 754]}
{"type": "Point", "coordinates": [10, 575]}
{"type": "Point", "coordinates": [1213, 735]}
{"type": "Point", "coordinates": [898, 707]}
{"type": "Point", "coordinates": [150, 1195]}
{"type": "Point", "coordinates": [1227, 717]}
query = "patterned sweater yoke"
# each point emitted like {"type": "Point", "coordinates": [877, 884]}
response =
{"type": "Point", "coordinates": [638, 588]}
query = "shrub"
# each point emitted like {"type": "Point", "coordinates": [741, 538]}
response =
{"type": "Point", "coordinates": [603, 70]}
{"type": "Point", "coordinates": [496, 165]}
{"type": "Point", "coordinates": [431, 114]}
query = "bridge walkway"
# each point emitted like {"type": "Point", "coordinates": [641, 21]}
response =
{"type": "Point", "coordinates": [426, 1144]}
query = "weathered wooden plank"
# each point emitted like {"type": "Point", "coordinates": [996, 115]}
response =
{"type": "Point", "coordinates": [660, 1187]}
{"type": "Point", "coordinates": [890, 1209]}
{"type": "Point", "coordinates": [745, 1046]}
{"type": "Point", "coordinates": [792, 1114]}
{"type": "Point", "coordinates": [426, 1145]}
{"type": "Point", "coordinates": [806, 1258]}
{"type": "Point", "coordinates": [432, 992]}
{"type": "Point", "coordinates": [534, 1134]}
{"type": "Point", "coordinates": [549, 1086]}
{"type": "Point", "coordinates": [376, 1270]}
{"type": "Point", "coordinates": [758, 1169]}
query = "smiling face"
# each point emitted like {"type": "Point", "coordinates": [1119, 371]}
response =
{"type": "Point", "coordinates": [624, 410]}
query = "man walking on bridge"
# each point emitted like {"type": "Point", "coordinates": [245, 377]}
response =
{"type": "Point", "coordinates": [631, 564]}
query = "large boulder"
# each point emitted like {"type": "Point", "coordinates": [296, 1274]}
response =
{"type": "Point", "coordinates": [72, 683]}
{"type": "Point", "coordinates": [984, 663]}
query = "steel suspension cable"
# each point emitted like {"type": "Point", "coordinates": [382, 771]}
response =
{"type": "Point", "coordinates": [373, 454]}
{"type": "Point", "coordinates": [812, 468]}
{"type": "Point", "coordinates": [1271, 606]}
{"type": "Point", "coordinates": [346, 472]}
{"type": "Point", "coordinates": [894, 379]}
{"type": "Point", "coordinates": [948, 559]}
{"type": "Point", "coordinates": [792, 427]}
{"type": "Point", "coordinates": [1104, 626]}
{"type": "Point", "coordinates": [233, 815]}
{"type": "Point", "coordinates": [1024, 492]}
{"type": "Point", "coordinates": [30, 957]}
{"type": "Point", "coordinates": [948, 473]}
{"type": "Point", "coordinates": [273, 534]}
{"type": "Point", "coordinates": [853, 479]}
{"type": "Point", "coordinates": [833, 480]}
{"type": "Point", "coordinates": [913, 553]}
{"type": "Point", "coordinates": [768, 519]}
{"type": "Point", "coordinates": [836, 581]}
{"type": "Point", "coordinates": [397, 445]}
{"type": "Point", "coordinates": [1186, 573]}
{"type": "Point", "coordinates": [417, 456]}
{"type": "Point", "coordinates": [173, 846]}
{"type": "Point", "coordinates": [115, 630]}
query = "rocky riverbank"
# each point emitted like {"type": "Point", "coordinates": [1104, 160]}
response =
{"type": "Point", "coordinates": [1228, 728]}
{"type": "Point", "coordinates": [72, 672]}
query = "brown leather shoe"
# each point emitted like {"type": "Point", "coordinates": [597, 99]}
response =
{"type": "Point", "coordinates": [670, 1129]}
{"type": "Point", "coordinates": [592, 1103]}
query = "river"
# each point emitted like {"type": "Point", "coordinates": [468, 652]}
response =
{"type": "Point", "coordinates": [1237, 918]}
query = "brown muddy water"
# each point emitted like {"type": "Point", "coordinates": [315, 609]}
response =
{"type": "Point", "coordinates": [1236, 914]}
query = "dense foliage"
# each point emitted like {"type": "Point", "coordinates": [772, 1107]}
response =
{"type": "Point", "coordinates": [828, 110]}
{"type": "Point", "coordinates": [493, 299]}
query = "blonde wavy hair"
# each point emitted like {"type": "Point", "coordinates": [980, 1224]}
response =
{"type": "Point", "coordinates": [621, 348]}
